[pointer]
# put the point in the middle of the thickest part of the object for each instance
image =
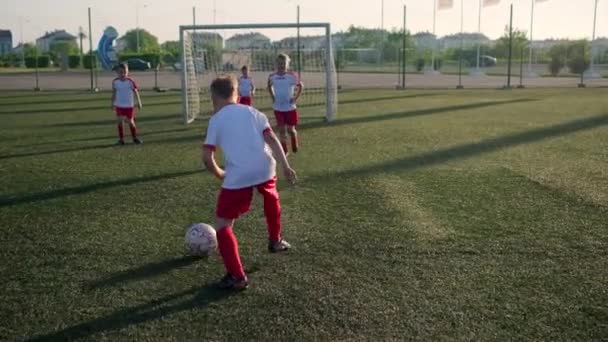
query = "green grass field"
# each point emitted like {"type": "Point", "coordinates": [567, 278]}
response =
{"type": "Point", "coordinates": [445, 215]}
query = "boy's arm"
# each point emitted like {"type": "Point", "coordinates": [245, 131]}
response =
{"type": "Point", "coordinates": [270, 90]}
{"type": "Point", "coordinates": [137, 97]}
{"type": "Point", "coordinates": [278, 152]}
{"type": "Point", "coordinates": [113, 96]}
{"type": "Point", "coordinates": [299, 89]}
{"type": "Point", "coordinates": [209, 161]}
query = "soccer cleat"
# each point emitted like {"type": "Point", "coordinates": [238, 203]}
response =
{"type": "Point", "coordinates": [120, 142]}
{"type": "Point", "coordinates": [136, 141]}
{"type": "Point", "coordinates": [278, 246]}
{"type": "Point", "coordinates": [229, 282]}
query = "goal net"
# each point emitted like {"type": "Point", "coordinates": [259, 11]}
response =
{"type": "Point", "coordinates": [209, 51]}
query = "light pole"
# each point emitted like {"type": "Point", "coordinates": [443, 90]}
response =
{"type": "Point", "coordinates": [591, 73]}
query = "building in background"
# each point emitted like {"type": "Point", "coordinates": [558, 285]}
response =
{"type": "Point", "coordinates": [6, 42]}
{"type": "Point", "coordinates": [45, 42]}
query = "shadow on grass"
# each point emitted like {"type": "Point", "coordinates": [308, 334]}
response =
{"type": "Point", "coordinates": [79, 190]}
{"type": "Point", "coordinates": [74, 100]}
{"type": "Point", "coordinates": [141, 133]}
{"type": "Point", "coordinates": [71, 149]}
{"type": "Point", "coordinates": [143, 272]}
{"type": "Point", "coordinates": [193, 298]}
{"type": "Point", "coordinates": [77, 108]}
{"type": "Point", "coordinates": [142, 118]}
{"type": "Point", "coordinates": [470, 150]}
{"type": "Point", "coordinates": [409, 114]}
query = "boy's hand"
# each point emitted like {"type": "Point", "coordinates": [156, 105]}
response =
{"type": "Point", "coordinates": [222, 174]}
{"type": "Point", "coordinates": [290, 174]}
{"type": "Point", "coordinates": [139, 105]}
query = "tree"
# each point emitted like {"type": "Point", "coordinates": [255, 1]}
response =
{"type": "Point", "coordinates": [520, 41]}
{"type": "Point", "coordinates": [30, 50]}
{"type": "Point", "coordinates": [579, 56]}
{"type": "Point", "coordinates": [147, 41]}
{"type": "Point", "coordinates": [170, 51]}
{"type": "Point", "coordinates": [557, 54]}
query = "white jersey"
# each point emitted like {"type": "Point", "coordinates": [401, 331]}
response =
{"type": "Point", "coordinates": [283, 86]}
{"type": "Point", "coordinates": [245, 86]}
{"type": "Point", "coordinates": [124, 92]}
{"type": "Point", "coordinates": [239, 131]}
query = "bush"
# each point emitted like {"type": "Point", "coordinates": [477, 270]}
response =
{"type": "Point", "coordinates": [43, 62]}
{"type": "Point", "coordinates": [438, 63]}
{"type": "Point", "coordinates": [73, 61]}
{"type": "Point", "coordinates": [88, 60]}
{"type": "Point", "coordinates": [555, 66]}
{"type": "Point", "coordinates": [420, 62]}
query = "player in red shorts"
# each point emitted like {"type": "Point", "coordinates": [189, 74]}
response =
{"type": "Point", "coordinates": [246, 87]}
{"type": "Point", "coordinates": [124, 89]}
{"type": "Point", "coordinates": [250, 147]}
{"type": "Point", "coordinates": [285, 88]}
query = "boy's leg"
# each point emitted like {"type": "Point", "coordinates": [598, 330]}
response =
{"type": "Point", "coordinates": [294, 138]}
{"type": "Point", "coordinates": [280, 116]}
{"type": "Point", "coordinates": [121, 133]}
{"type": "Point", "coordinates": [292, 122]}
{"type": "Point", "coordinates": [231, 204]}
{"type": "Point", "coordinates": [272, 212]}
{"type": "Point", "coordinates": [272, 208]}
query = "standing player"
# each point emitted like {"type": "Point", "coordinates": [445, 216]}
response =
{"type": "Point", "coordinates": [123, 90]}
{"type": "Point", "coordinates": [248, 144]}
{"type": "Point", "coordinates": [285, 88]}
{"type": "Point", "coordinates": [246, 87]}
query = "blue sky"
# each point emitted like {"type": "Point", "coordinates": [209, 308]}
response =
{"type": "Point", "coordinates": [554, 18]}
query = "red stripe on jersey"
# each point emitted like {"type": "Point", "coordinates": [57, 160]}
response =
{"type": "Point", "coordinates": [132, 82]}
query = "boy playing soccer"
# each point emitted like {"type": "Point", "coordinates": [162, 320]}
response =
{"type": "Point", "coordinates": [246, 87]}
{"type": "Point", "coordinates": [123, 89]}
{"type": "Point", "coordinates": [248, 144]}
{"type": "Point", "coordinates": [285, 88]}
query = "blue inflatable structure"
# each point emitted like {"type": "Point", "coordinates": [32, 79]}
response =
{"type": "Point", "coordinates": [105, 50]}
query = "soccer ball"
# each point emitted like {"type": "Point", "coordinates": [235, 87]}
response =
{"type": "Point", "coordinates": [201, 239]}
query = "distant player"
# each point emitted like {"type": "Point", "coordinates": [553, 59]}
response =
{"type": "Point", "coordinates": [246, 87]}
{"type": "Point", "coordinates": [248, 145]}
{"type": "Point", "coordinates": [124, 90]}
{"type": "Point", "coordinates": [285, 88]}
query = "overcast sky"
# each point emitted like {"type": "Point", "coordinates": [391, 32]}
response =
{"type": "Point", "coordinates": [553, 19]}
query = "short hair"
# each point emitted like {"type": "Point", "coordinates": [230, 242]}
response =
{"type": "Point", "coordinates": [284, 56]}
{"type": "Point", "coordinates": [224, 86]}
{"type": "Point", "coordinates": [244, 68]}
{"type": "Point", "coordinates": [123, 66]}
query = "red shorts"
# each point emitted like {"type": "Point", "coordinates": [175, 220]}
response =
{"type": "Point", "coordinates": [289, 118]}
{"type": "Point", "coordinates": [232, 203]}
{"type": "Point", "coordinates": [246, 100]}
{"type": "Point", "coordinates": [129, 113]}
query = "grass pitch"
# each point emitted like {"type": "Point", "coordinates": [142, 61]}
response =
{"type": "Point", "coordinates": [444, 215]}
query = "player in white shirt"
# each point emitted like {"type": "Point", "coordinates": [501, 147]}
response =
{"type": "Point", "coordinates": [285, 88]}
{"type": "Point", "coordinates": [124, 93]}
{"type": "Point", "coordinates": [249, 147]}
{"type": "Point", "coordinates": [246, 87]}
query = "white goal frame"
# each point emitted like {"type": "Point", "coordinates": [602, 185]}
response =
{"type": "Point", "coordinates": [330, 82]}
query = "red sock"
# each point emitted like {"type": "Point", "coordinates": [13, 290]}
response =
{"type": "Point", "coordinates": [133, 130]}
{"type": "Point", "coordinates": [229, 249]}
{"type": "Point", "coordinates": [272, 209]}
{"type": "Point", "coordinates": [294, 142]}
{"type": "Point", "coordinates": [121, 134]}
{"type": "Point", "coordinates": [284, 144]}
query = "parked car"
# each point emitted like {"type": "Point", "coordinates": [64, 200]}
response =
{"type": "Point", "coordinates": [487, 61]}
{"type": "Point", "coordinates": [138, 64]}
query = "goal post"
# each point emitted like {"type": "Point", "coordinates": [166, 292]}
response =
{"type": "Point", "coordinates": [205, 54]}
